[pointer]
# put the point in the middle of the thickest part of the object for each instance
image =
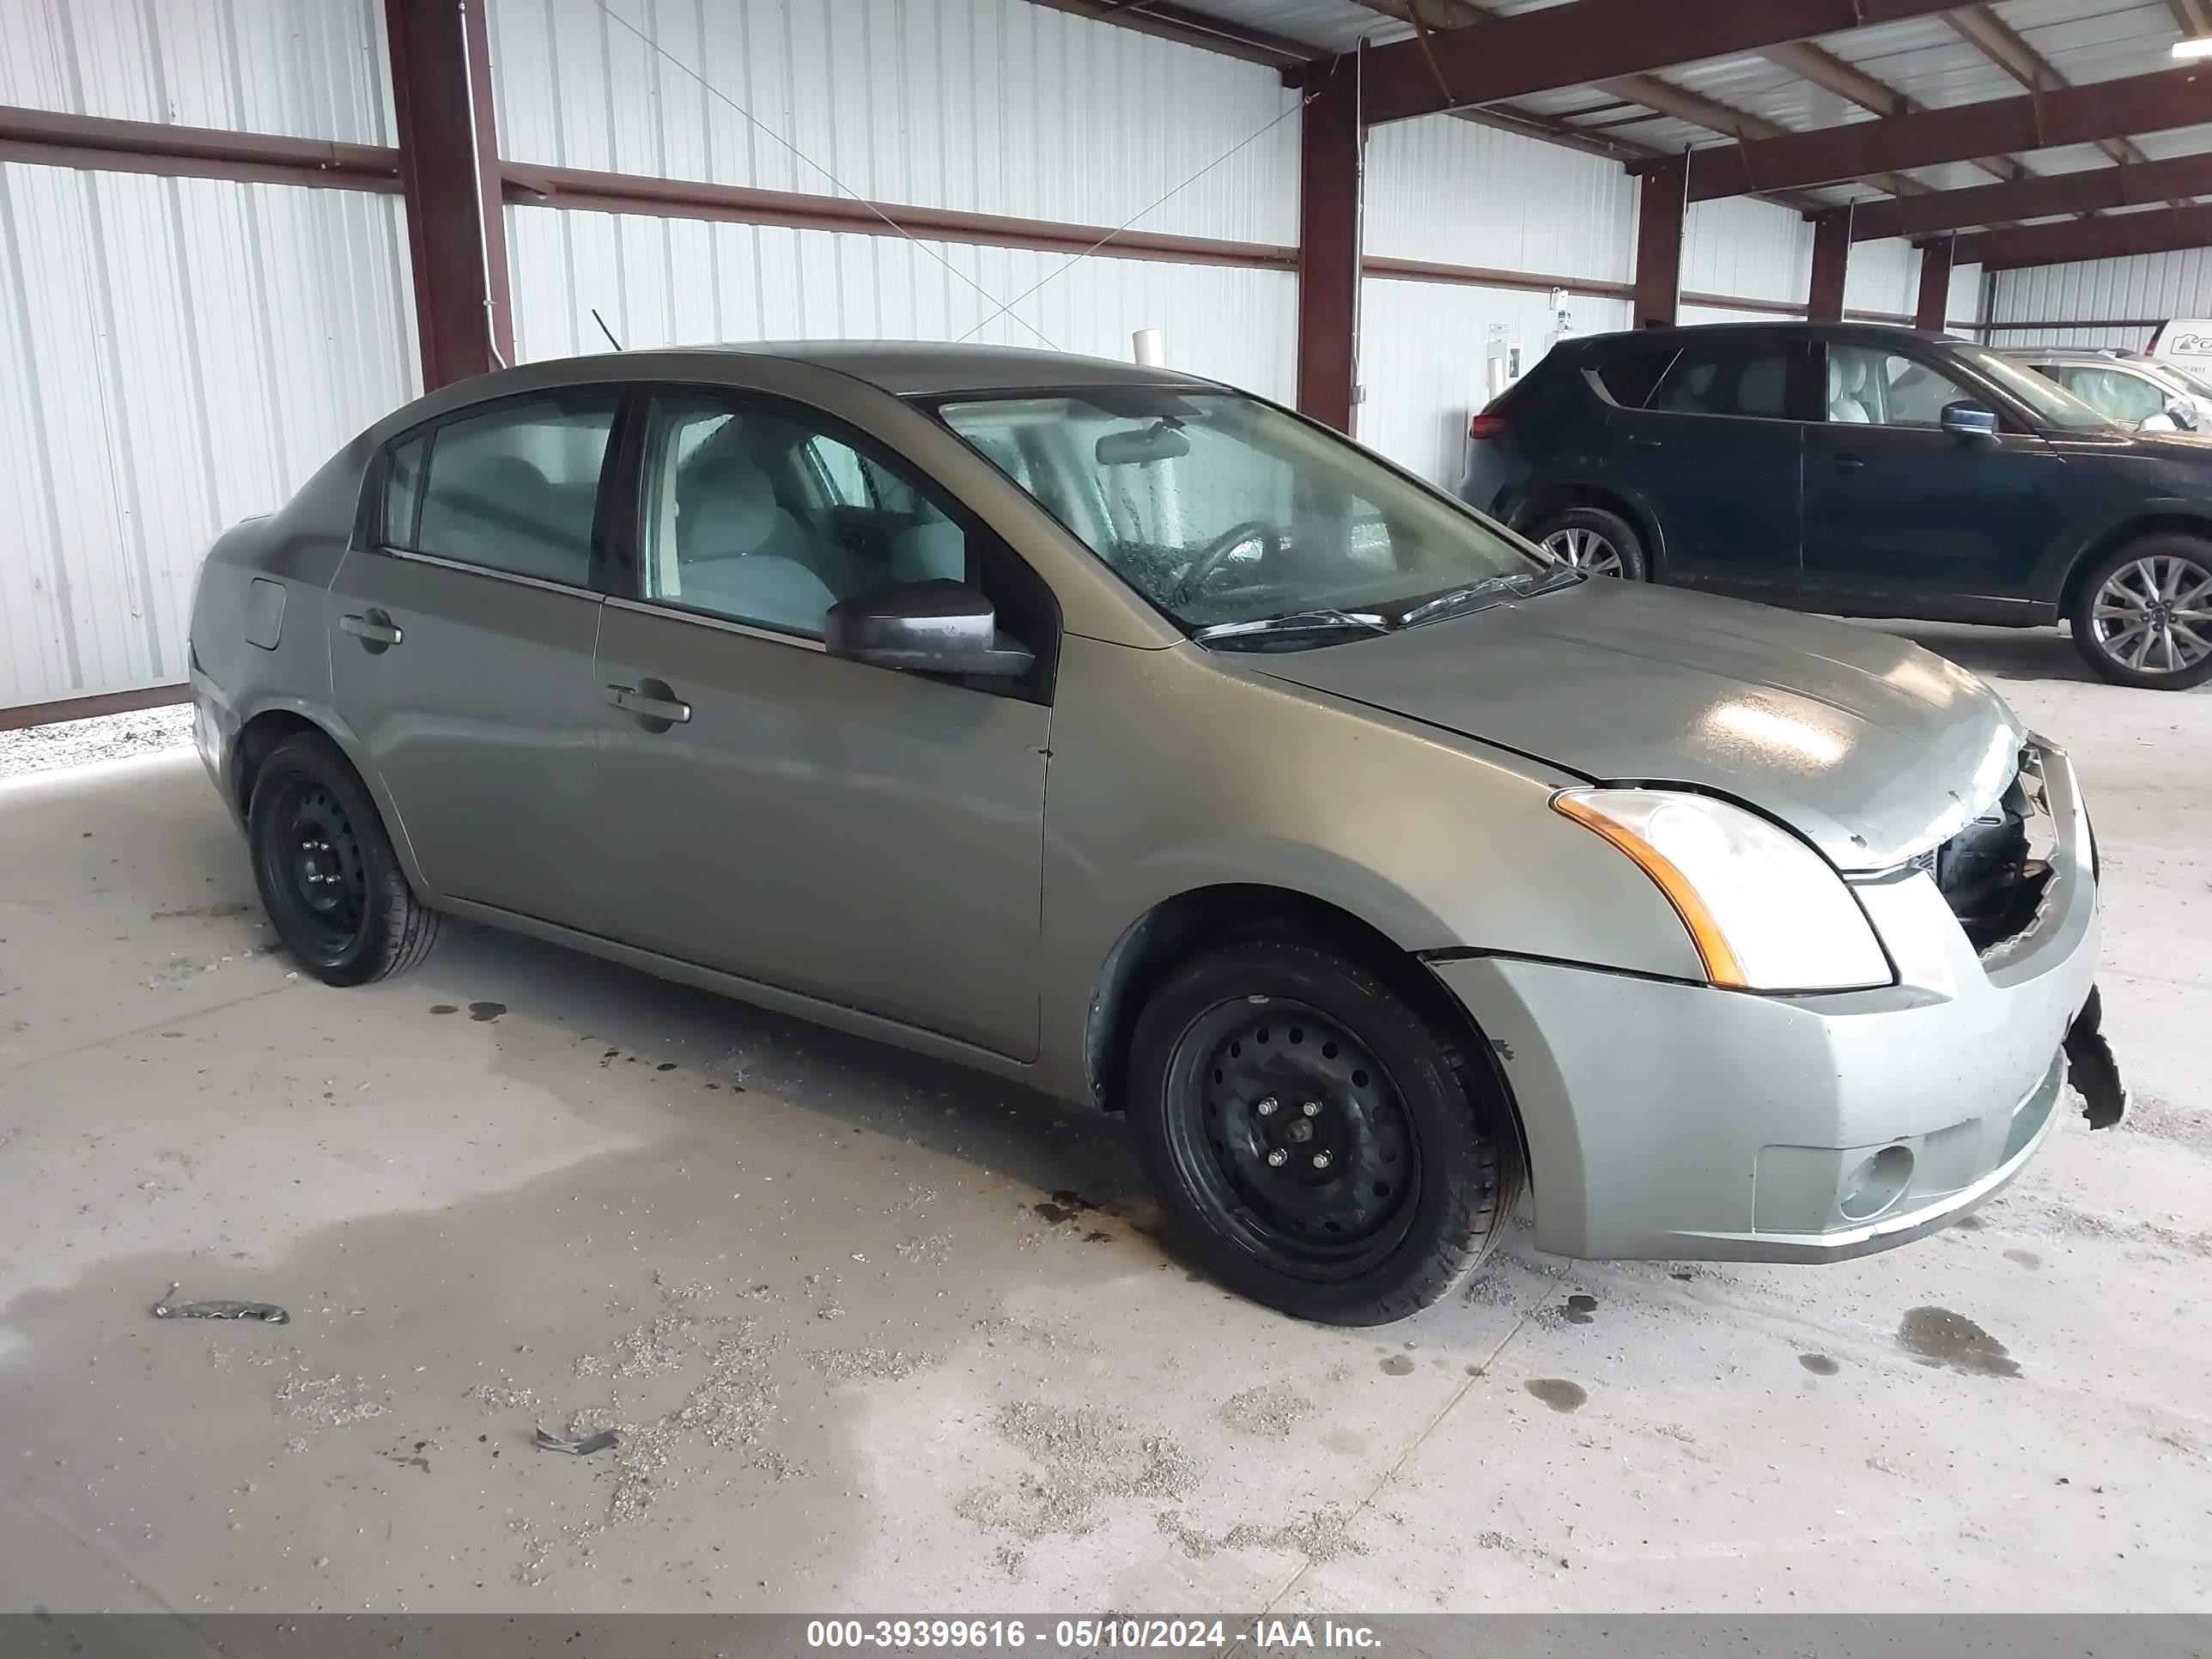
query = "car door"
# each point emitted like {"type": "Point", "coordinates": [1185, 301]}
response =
{"type": "Point", "coordinates": [463, 627]}
{"type": "Point", "coordinates": [858, 834]}
{"type": "Point", "coordinates": [1898, 512]}
{"type": "Point", "coordinates": [1713, 455]}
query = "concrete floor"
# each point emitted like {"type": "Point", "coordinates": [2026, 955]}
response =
{"type": "Point", "coordinates": [888, 1336]}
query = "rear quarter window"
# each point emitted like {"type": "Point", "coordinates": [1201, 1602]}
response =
{"type": "Point", "coordinates": [1628, 377]}
{"type": "Point", "coordinates": [403, 492]}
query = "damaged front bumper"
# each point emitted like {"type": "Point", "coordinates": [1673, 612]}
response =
{"type": "Point", "coordinates": [2094, 1073]}
{"type": "Point", "coordinates": [1665, 1120]}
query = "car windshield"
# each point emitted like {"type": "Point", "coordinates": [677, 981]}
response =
{"type": "Point", "coordinates": [2052, 403]}
{"type": "Point", "coordinates": [1225, 512]}
{"type": "Point", "coordinates": [2172, 376]}
{"type": "Point", "coordinates": [2195, 383]}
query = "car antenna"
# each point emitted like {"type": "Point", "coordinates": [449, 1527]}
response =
{"type": "Point", "coordinates": [605, 329]}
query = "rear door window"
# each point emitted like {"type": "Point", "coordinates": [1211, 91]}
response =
{"type": "Point", "coordinates": [1749, 379]}
{"type": "Point", "coordinates": [514, 488]}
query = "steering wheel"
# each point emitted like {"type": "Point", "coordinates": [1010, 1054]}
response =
{"type": "Point", "coordinates": [1218, 551]}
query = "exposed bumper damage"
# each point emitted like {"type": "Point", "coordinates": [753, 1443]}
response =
{"type": "Point", "coordinates": [2094, 1073]}
{"type": "Point", "coordinates": [1672, 1119]}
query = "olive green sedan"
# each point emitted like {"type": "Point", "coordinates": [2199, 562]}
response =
{"type": "Point", "coordinates": [1130, 735]}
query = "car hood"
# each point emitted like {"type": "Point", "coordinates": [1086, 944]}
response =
{"type": "Point", "coordinates": [1868, 746]}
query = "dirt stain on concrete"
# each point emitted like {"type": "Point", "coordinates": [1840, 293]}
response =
{"type": "Point", "coordinates": [1580, 1309]}
{"type": "Point", "coordinates": [1819, 1363]}
{"type": "Point", "coordinates": [444, 1008]}
{"type": "Point", "coordinates": [1398, 1364]}
{"type": "Point", "coordinates": [1272, 1413]}
{"type": "Point", "coordinates": [1064, 1206]}
{"type": "Point", "coordinates": [1936, 1336]}
{"type": "Point", "coordinates": [1086, 1463]}
{"type": "Point", "coordinates": [2024, 1258]}
{"type": "Point", "coordinates": [213, 912]}
{"type": "Point", "coordinates": [1558, 1393]}
{"type": "Point", "coordinates": [1970, 1224]}
{"type": "Point", "coordinates": [482, 1012]}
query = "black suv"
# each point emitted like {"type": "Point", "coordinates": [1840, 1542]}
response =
{"type": "Point", "coordinates": [1866, 470]}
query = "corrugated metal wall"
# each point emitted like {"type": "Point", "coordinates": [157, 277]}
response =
{"type": "Point", "coordinates": [981, 106]}
{"type": "Point", "coordinates": [1424, 353]}
{"type": "Point", "coordinates": [310, 69]}
{"type": "Point", "coordinates": [986, 106]}
{"type": "Point", "coordinates": [1965, 301]}
{"type": "Point", "coordinates": [1452, 192]}
{"type": "Point", "coordinates": [1883, 275]}
{"type": "Point", "coordinates": [663, 281]}
{"type": "Point", "coordinates": [176, 354]}
{"type": "Point", "coordinates": [1748, 249]}
{"type": "Point", "coordinates": [2145, 286]}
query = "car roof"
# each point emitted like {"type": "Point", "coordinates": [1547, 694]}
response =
{"type": "Point", "coordinates": [1861, 333]}
{"type": "Point", "coordinates": [2083, 354]}
{"type": "Point", "coordinates": [911, 369]}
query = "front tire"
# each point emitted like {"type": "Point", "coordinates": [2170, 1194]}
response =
{"type": "Point", "coordinates": [1321, 1145]}
{"type": "Point", "coordinates": [1592, 540]}
{"type": "Point", "coordinates": [326, 870]}
{"type": "Point", "coordinates": [2142, 614]}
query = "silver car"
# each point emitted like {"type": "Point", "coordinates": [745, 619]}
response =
{"type": "Point", "coordinates": [2128, 388]}
{"type": "Point", "coordinates": [1128, 735]}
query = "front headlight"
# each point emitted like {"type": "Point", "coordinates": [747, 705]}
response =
{"type": "Point", "coordinates": [1767, 912]}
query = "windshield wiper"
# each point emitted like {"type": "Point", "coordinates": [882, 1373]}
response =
{"type": "Point", "coordinates": [1490, 590]}
{"type": "Point", "coordinates": [1296, 621]}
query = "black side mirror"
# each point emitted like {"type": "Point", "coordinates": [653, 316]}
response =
{"type": "Point", "coordinates": [1968, 420]}
{"type": "Point", "coordinates": [931, 628]}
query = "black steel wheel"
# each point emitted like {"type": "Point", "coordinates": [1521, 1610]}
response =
{"type": "Point", "coordinates": [327, 871]}
{"type": "Point", "coordinates": [1324, 1148]}
{"type": "Point", "coordinates": [1301, 1143]}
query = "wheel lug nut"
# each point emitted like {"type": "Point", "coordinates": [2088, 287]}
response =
{"type": "Point", "coordinates": [1311, 1109]}
{"type": "Point", "coordinates": [1321, 1160]}
{"type": "Point", "coordinates": [1277, 1158]}
{"type": "Point", "coordinates": [1266, 1108]}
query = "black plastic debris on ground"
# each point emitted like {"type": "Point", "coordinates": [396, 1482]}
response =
{"type": "Point", "coordinates": [583, 1448]}
{"type": "Point", "coordinates": [267, 1312]}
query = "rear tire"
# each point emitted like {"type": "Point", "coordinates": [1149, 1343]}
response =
{"type": "Point", "coordinates": [1321, 1146]}
{"type": "Point", "coordinates": [1590, 538]}
{"type": "Point", "coordinates": [2142, 614]}
{"type": "Point", "coordinates": [326, 870]}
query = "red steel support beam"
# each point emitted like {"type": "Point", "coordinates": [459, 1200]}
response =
{"type": "Point", "coordinates": [1831, 259]}
{"type": "Point", "coordinates": [449, 173]}
{"type": "Point", "coordinates": [1332, 139]}
{"type": "Point", "coordinates": [1168, 22]}
{"type": "Point", "coordinates": [2158, 231]}
{"type": "Point", "coordinates": [1662, 197]}
{"type": "Point", "coordinates": [2139, 184]}
{"type": "Point", "coordinates": [2164, 99]}
{"type": "Point", "coordinates": [1594, 41]}
{"type": "Point", "coordinates": [527, 184]}
{"type": "Point", "coordinates": [1935, 263]}
{"type": "Point", "coordinates": [51, 138]}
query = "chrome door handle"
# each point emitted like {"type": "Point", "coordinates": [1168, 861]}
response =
{"type": "Point", "coordinates": [1640, 442]}
{"type": "Point", "coordinates": [671, 711]}
{"type": "Point", "coordinates": [372, 628]}
{"type": "Point", "coordinates": [1848, 463]}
